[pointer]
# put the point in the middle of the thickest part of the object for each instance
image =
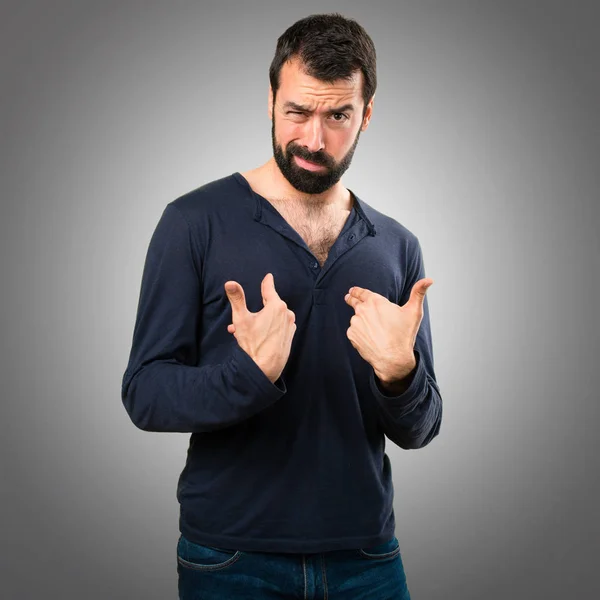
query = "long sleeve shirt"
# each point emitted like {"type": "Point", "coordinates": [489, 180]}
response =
{"type": "Point", "coordinates": [299, 464]}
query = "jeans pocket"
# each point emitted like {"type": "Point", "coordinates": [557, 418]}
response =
{"type": "Point", "coordinates": [387, 550]}
{"type": "Point", "coordinates": [204, 558]}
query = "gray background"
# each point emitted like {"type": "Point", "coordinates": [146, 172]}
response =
{"type": "Point", "coordinates": [484, 142]}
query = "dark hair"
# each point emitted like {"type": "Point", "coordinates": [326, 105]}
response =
{"type": "Point", "coordinates": [331, 47]}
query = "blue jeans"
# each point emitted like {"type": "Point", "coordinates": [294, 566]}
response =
{"type": "Point", "coordinates": [207, 573]}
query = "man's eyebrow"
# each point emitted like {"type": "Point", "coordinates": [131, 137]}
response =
{"type": "Point", "coordinates": [299, 107]}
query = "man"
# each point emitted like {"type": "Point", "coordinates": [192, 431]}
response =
{"type": "Point", "coordinates": [283, 323]}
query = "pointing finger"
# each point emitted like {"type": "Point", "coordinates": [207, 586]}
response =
{"type": "Point", "coordinates": [267, 288]}
{"type": "Point", "coordinates": [353, 301]}
{"type": "Point", "coordinates": [359, 293]}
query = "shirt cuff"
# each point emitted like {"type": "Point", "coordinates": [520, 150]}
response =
{"type": "Point", "coordinates": [411, 396]}
{"type": "Point", "coordinates": [258, 379]}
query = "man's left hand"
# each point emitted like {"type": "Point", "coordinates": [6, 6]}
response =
{"type": "Point", "coordinates": [383, 332]}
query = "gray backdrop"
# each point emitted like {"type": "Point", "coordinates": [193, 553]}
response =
{"type": "Point", "coordinates": [484, 142]}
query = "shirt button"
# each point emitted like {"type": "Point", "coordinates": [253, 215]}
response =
{"type": "Point", "coordinates": [315, 265]}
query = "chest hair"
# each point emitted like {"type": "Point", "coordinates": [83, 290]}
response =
{"type": "Point", "coordinates": [317, 226]}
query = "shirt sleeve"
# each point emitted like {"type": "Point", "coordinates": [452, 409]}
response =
{"type": "Point", "coordinates": [412, 419]}
{"type": "Point", "coordinates": [163, 388]}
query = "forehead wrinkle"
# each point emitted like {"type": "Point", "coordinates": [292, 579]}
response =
{"type": "Point", "coordinates": [298, 86]}
{"type": "Point", "coordinates": [327, 99]}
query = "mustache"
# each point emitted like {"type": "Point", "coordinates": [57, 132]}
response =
{"type": "Point", "coordinates": [318, 157]}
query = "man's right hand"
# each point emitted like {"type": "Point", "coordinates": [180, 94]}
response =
{"type": "Point", "coordinates": [265, 335]}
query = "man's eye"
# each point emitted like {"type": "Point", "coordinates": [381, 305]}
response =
{"type": "Point", "coordinates": [337, 117]}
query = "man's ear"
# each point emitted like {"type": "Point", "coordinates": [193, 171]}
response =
{"type": "Point", "coordinates": [368, 113]}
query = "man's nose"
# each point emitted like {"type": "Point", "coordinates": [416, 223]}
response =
{"type": "Point", "coordinates": [313, 135]}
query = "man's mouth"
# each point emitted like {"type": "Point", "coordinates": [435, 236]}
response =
{"type": "Point", "coordinates": [305, 164]}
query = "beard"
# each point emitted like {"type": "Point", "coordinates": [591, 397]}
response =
{"type": "Point", "coordinates": [305, 181]}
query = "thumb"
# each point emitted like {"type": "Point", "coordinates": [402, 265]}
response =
{"type": "Point", "coordinates": [267, 288]}
{"type": "Point", "coordinates": [237, 299]}
{"type": "Point", "coordinates": [417, 294]}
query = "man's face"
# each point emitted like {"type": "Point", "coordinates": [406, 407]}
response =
{"type": "Point", "coordinates": [316, 122]}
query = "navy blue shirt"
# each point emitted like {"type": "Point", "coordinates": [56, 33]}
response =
{"type": "Point", "coordinates": [298, 465]}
